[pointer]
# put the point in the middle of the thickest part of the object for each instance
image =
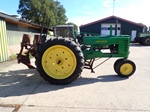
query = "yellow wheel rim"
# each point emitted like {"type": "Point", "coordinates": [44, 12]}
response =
{"type": "Point", "coordinates": [126, 69]}
{"type": "Point", "coordinates": [59, 62]}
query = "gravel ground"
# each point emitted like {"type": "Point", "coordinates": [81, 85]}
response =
{"type": "Point", "coordinates": [23, 90]}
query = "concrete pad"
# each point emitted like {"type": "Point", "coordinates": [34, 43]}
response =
{"type": "Point", "coordinates": [6, 109]}
{"type": "Point", "coordinates": [102, 91]}
{"type": "Point", "coordinates": [72, 109]}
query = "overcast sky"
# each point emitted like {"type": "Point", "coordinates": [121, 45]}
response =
{"type": "Point", "coordinates": [82, 12]}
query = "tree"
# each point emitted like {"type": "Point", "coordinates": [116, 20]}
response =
{"type": "Point", "coordinates": [60, 14]}
{"type": "Point", "coordinates": [75, 26]}
{"type": "Point", "coordinates": [37, 10]}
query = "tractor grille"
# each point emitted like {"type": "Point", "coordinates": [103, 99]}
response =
{"type": "Point", "coordinates": [126, 46]}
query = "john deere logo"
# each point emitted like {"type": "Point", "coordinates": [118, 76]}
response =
{"type": "Point", "coordinates": [98, 41]}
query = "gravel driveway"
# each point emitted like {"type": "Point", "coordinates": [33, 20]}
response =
{"type": "Point", "coordinates": [23, 90]}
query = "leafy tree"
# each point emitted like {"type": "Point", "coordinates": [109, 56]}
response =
{"type": "Point", "coordinates": [60, 14]}
{"type": "Point", "coordinates": [35, 11]}
{"type": "Point", "coordinates": [75, 26]}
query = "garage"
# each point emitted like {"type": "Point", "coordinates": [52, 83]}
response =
{"type": "Point", "coordinates": [120, 26]}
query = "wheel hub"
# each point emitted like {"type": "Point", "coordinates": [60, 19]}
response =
{"type": "Point", "coordinates": [59, 61]}
{"type": "Point", "coordinates": [148, 41]}
{"type": "Point", "coordinates": [126, 69]}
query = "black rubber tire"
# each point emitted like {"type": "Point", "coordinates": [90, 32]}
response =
{"type": "Point", "coordinates": [135, 40]}
{"type": "Point", "coordinates": [73, 47]}
{"type": "Point", "coordinates": [146, 41]}
{"type": "Point", "coordinates": [116, 63]}
{"type": "Point", "coordinates": [141, 41]}
{"type": "Point", "coordinates": [122, 63]}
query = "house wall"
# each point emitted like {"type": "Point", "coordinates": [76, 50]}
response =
{"type": "Point", "coordinates": [15, 34]}
{"type": "Point", "coordinates": [126, 28]}
{"type": "Point", "coordinates": [3, 42]}
{"type": "Point", "coordinates": [93, 28]}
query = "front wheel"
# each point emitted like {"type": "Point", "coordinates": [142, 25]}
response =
{"type": "Point", "coordinates": [125, 68]}
{"type": "Point", "coordinates": [116, 63]}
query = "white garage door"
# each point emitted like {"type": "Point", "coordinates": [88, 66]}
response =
{"type": "Point", "coordinates": [133, 35]}
{"type": "Point", "coordinates": [105, 29]}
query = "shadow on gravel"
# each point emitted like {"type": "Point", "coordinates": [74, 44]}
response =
{"type": "Point", "coordinates": [111, 78]}
{"type": "Point", "coordinates": [28, 81]}
{"type": "Point", "coordinates": [19, 82]}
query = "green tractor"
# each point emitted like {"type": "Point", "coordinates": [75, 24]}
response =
{"type": "Point", "coordinates": [143, 39]}
{"type": "Point", "coordinates": [61, 59]}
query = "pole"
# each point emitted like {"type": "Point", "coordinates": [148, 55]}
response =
{"type": "Point", "coordinates": [113, 7]}
{"type": "Point", "coordinates": [48, 27]}
{"type": "Point", "coordinates": [116, 27]}
{"type": "Point", "coordinates": [42, 25]}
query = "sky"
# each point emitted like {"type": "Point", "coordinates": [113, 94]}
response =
{"type": "Point", "coordinates": [82, 12]}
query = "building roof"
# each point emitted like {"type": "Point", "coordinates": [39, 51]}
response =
{"type": "Point", "coordinates": [64, 26]}
{"type": "Point", "coordinates": [12, 19]}
{"type": "Point", "coordinates": [115, 17]}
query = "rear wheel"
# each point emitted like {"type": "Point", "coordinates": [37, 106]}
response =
{"type": "Point", "coordinates": [60, 61]}
{"type": "Point", "coordinates": [146, 41]}
{"type": "Point", "coordinates": [125, 68]}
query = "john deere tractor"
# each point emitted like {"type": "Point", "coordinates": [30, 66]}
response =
{"type": "Point", "coordinates": [61, 59]}
{"type": "Point", "coordinates": [143, 39]}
